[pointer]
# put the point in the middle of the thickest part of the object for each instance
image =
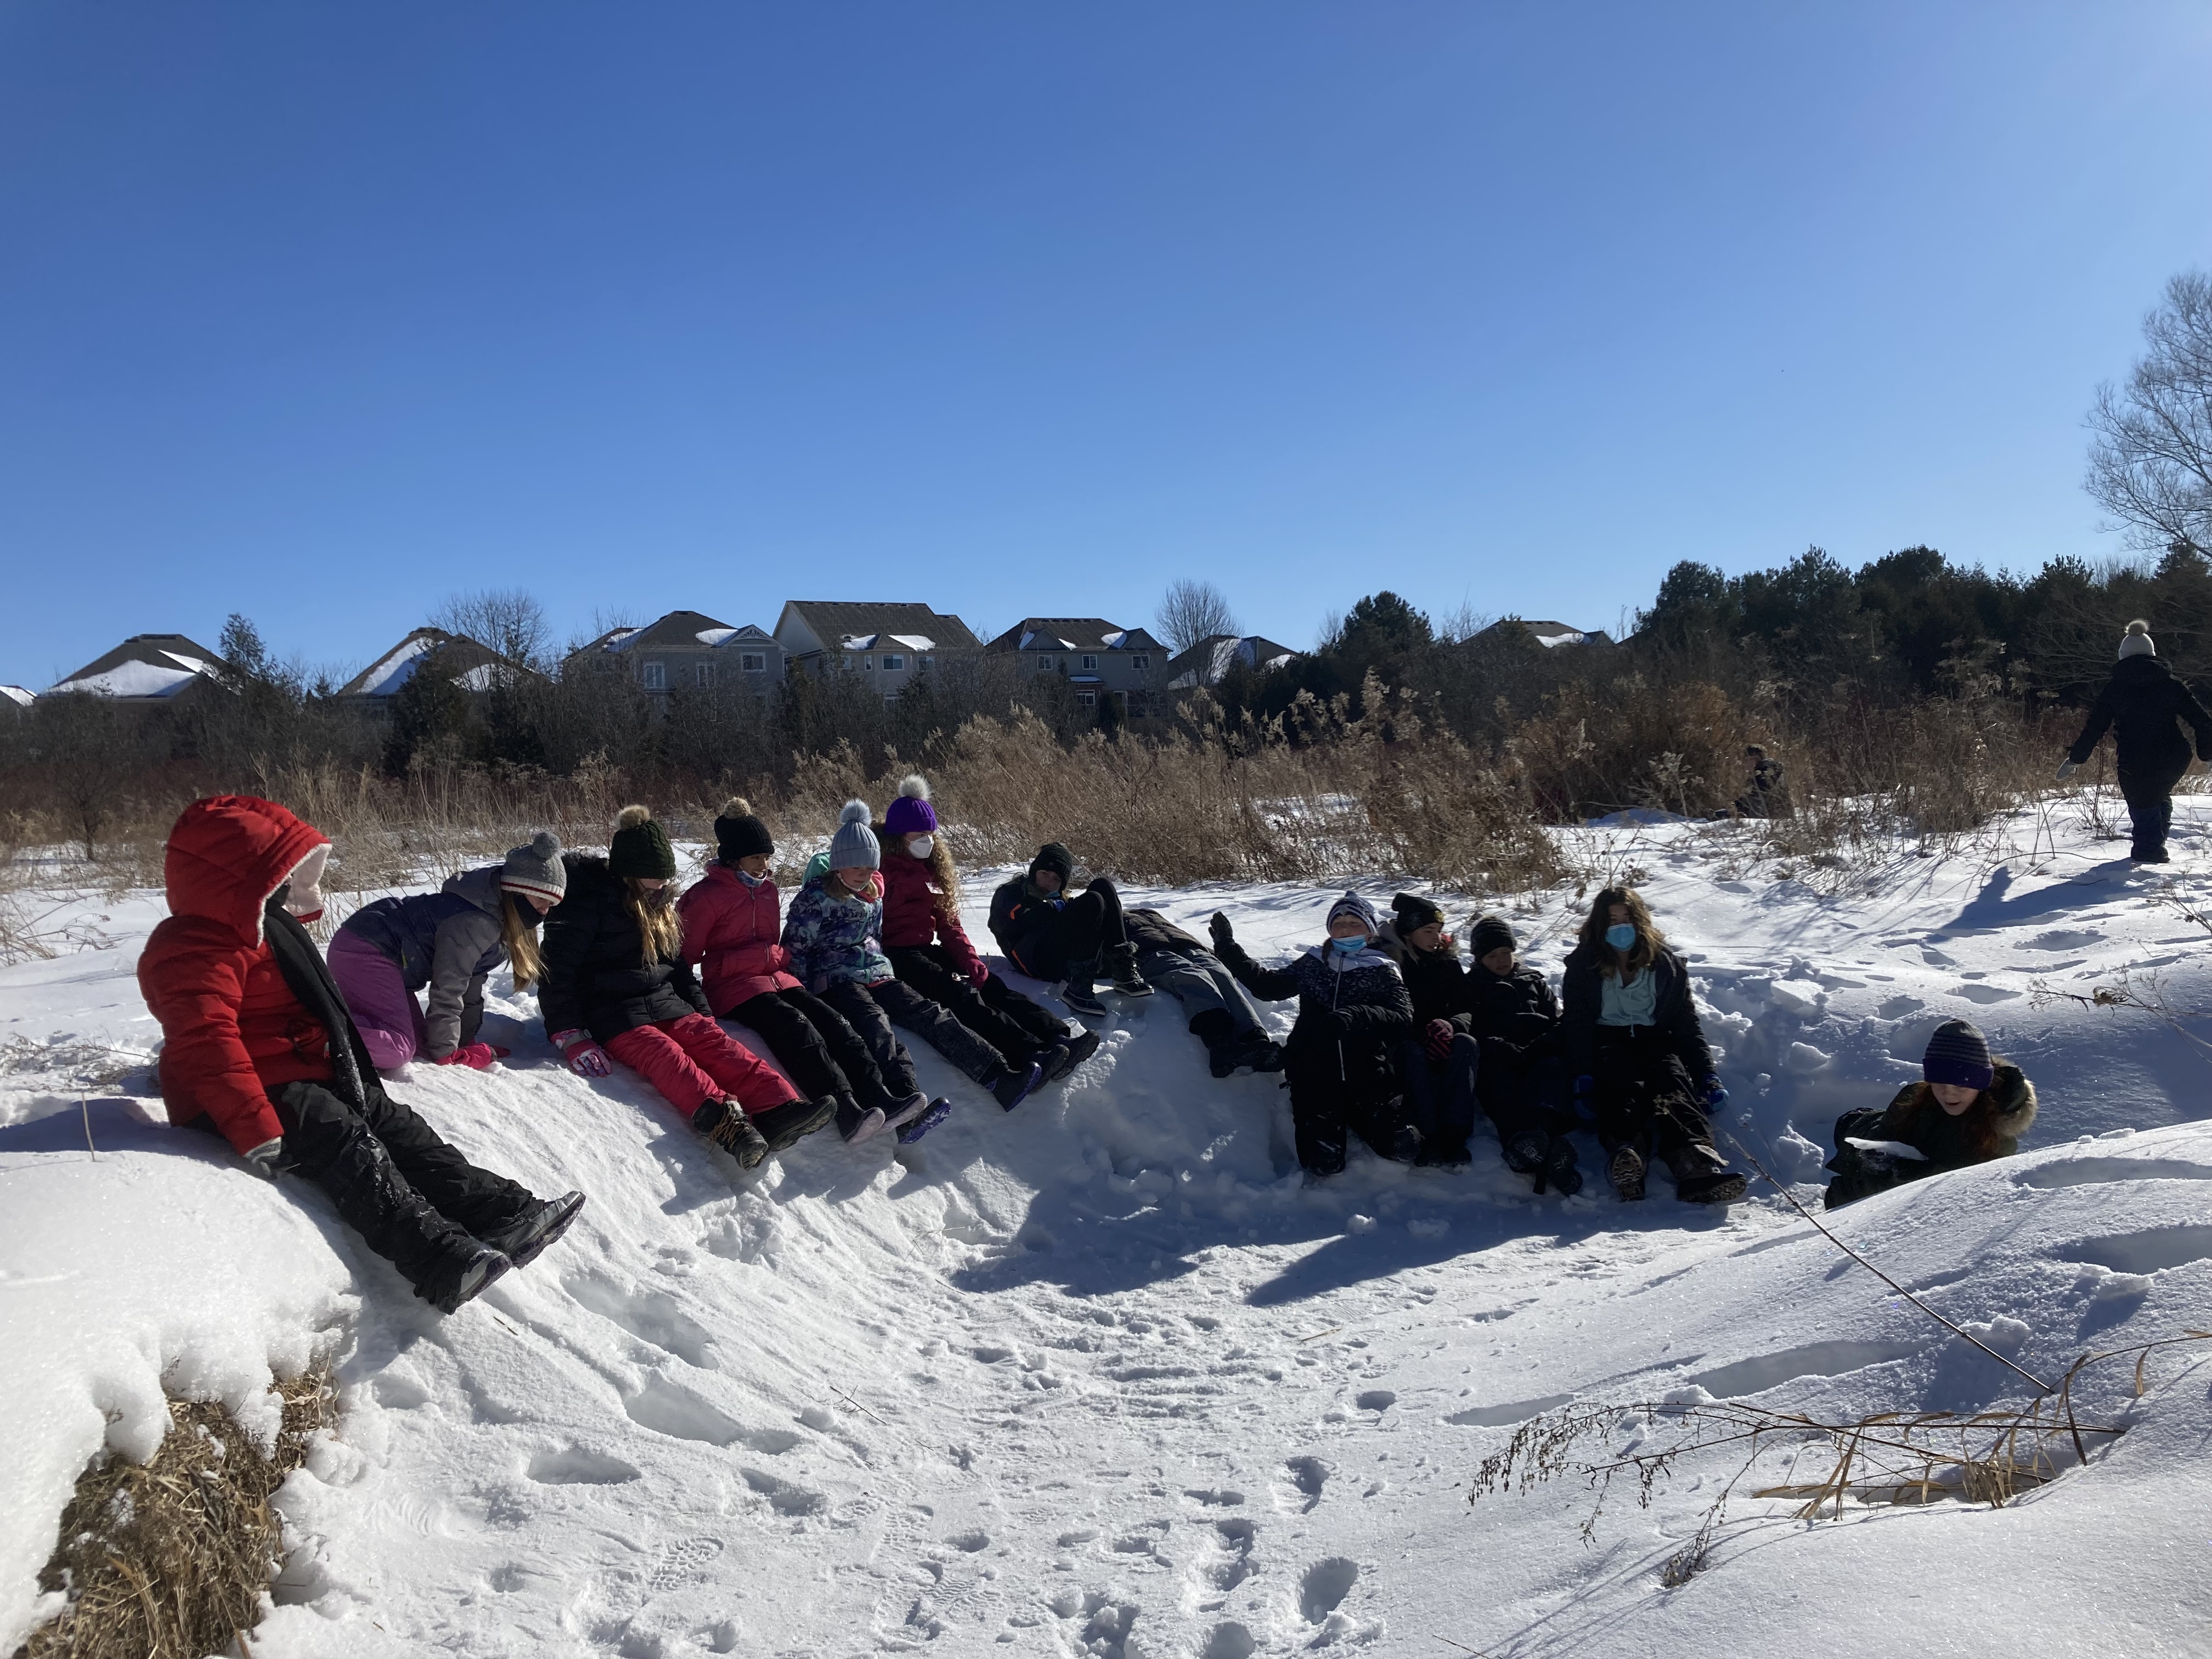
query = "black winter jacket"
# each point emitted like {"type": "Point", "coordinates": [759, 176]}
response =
{"type": "Point", "coordinates": [1025, 920]}
{"type": "Point", "coordinates": [1351, 1018]}
{"type": "Point", "coordinates": [1518, 1010]}
{"type": "Point", "coordinates": [1149, 930]}
{"type": "Point", "coordinates": [1942, 1139]}
{"type": "Point", "coordinates": [597, 977]}
{"type": "Point", "coordinates": [2142, 703]}
{"type": "Point", "coordinates": [1674, 1014]}
{"type": "Point", "coordinates": [1434, 981]}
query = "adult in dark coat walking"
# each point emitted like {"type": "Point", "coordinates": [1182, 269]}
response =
{"type": "Point", "coordinates": [1353, 1013]}
{"type": "Point", "coordinates": [1639, 1055]}
{"type": "Point", "coordinates": [2143, 703]}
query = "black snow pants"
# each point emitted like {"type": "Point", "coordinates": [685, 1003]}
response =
{"type": "Point", "coordinates": [1016, 1027]}
{"type": "Point", "coordinates": [1521, 1091]}
{"type": "Point", "coordinates": [2149, 796]}
{"type": "Point", "coordinates": [817, 1048]}
{"type": "Point", "coordinates": [415, 1201]}
{"type": "Point", "coordinates": [1441, 1094]}
{"type": "Point", "coordinates": [870, 1018]}
{"type": "Point", "coordinates": [1325, 1111]}
{"type": "Point", "coordinates": [1083, 929]}
{"type": "Point", "coordinates": [1644, 1096]}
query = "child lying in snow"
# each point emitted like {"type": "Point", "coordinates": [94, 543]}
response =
{"type": "Point", "coordinates": [1969, 1107]}
{"type": "Point", "coordinates": [259, 1046]}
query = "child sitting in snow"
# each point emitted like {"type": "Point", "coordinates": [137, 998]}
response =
{"type": "Point", "coordinates": [258, 1044]}
{"type": "Point", "coordinates": [834, 934]}
{"type": "Point", "coordinates": [1968, 1107]}
{"type": "Point", "coordinates": [1524, 1084]}
{"type": "Point", "coordinates": [449, 940]}
{"type": "Point", "coordinates": [1066, 939]}
{"type": "Point", "coordinates": [732, 920]}
{"type": "Point", "coordinates": [615, 975]}
{"type": "Point", "coordinates": [929, 950]}
{"type": "Point", "coordinates": [1353, 1013]}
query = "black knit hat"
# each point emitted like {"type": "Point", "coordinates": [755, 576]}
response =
{"type": "Point", "coordinates": [1055, 858]}
{"type": "Point", "coordinates": [1959, 1053]}
{"type": "Point", "coordinates": [639, 846]}
{"type": "Point", "coordinates": [738, 834]}
{"type": "Point", "coordinates": [1492, 933]}
{"type": "Point", "coordinates": [1412, 911]}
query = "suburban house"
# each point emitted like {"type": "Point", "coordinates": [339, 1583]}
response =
{"type": "Point", "coordinates": [1549, 635]}
{"type": "Point", "coordinates": [1098, 659]}
{"type": "Point", "coordinates": [1213, 657]}
{"type": "Point", "coordinates": [687, 649]}
{"type": "Point", "coordinates": [148, 671]}
{"type": "Point", "coordinates": [469, 665]}
{"type": "Point", "coordinates": [888, 643]}
{"type": "Point", "coordinates": [14, 699]}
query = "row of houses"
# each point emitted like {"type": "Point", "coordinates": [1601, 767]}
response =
{"type": "Point", "coordinates": [889, 646]}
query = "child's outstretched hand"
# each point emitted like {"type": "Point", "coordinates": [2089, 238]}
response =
{"type": "Point", "coordinates": [1219, 928]}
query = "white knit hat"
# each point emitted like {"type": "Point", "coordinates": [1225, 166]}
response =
{"type": "Point", "coordinates": [2136, 641]}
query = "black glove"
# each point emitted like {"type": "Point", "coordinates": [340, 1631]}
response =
{"type": "Point", "coordinates": [1328, 1022]}
{"type": "Point", "coordinates": [1222, 932]}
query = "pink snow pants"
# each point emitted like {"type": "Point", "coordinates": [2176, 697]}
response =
{"type": "Point", "coordinates": [385, 1011]}
{"type": "Point", "coordinates": [692, 1060]}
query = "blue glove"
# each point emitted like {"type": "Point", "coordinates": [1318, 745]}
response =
{"type": "Point", "coordinates": [1714, 1096]}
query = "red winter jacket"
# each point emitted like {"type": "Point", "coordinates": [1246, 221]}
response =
{"type": "Point", "coordinates": [733, 934]}
{"type": "Point", "coordinates": [233, 1028]}
{"type": "Point", "coordinates": [910, 913]}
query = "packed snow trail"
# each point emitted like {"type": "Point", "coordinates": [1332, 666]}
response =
{"type": "Point", "coordinates": [1100, 1376]}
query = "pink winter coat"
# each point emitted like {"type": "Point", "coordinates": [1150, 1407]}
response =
{"type": "Point", "coordinates": [911, 916]}
{"type": "Point", "coordinates": [733, 934]}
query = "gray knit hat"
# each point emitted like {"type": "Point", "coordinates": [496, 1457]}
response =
{"type": "Point", "coordinates": [854, 846]}
{"type": "Point", "coordinates": [537, 869]}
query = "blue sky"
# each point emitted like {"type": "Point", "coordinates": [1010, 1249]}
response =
{"type": "Point", "coordinates": [322, 313]}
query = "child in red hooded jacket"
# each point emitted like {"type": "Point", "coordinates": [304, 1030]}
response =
{"type": "Point", "coordinates": [259, 1046]}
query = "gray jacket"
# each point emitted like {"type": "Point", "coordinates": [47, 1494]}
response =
{"type": "Point", "coordinates": [448, 940]}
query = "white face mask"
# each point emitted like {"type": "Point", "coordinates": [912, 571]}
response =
{"type": "Point", "coordinates": [923, 845]}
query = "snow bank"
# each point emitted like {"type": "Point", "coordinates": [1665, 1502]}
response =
{"type": "Point", "coordinates": [1101, 1377]}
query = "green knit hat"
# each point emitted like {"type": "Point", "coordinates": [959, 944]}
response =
{"type": "Point", "coordinates": [640, 847]}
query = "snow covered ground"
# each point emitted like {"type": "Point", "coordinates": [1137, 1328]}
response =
{"type": "Point", "coordinates": [1101, 1377]}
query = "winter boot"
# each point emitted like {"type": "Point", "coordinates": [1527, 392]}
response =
{"type": "Point", "coordinates": [855, 1125]}
{"type": "Point", "coordinates": [1260, 1054]}
{"type": "Point", "coordinates": [937, 1111]}
{"type": "Point", "coordinates": [1527, 1154]}
{"type": "Point", "coordinates": [1561, 1169]}
{"type": "Point", "coordinates": [1121, 962]}
{"type": "Point", "coordinates": [463, 1275]}
{"type": "Point", "coordinates": [523, 1240]}
{"type": "Point", "coordinates": [1010, 1085]}
{"type": "Point", "coordinates": [906, 1110]}
{"type": "Point", "coordinates": [725, 1123]}
{"type": "Point", "coordinates": [1068, 1053]}
{"type": "Point", "coordinates": [1076, 992]}
{"type": "Point", "coordinates": [785, 1125]}
{"type": "Point", "coordinates": [1626, 1171]}
{"type": "Point", "coordinates": [1701, 1177]}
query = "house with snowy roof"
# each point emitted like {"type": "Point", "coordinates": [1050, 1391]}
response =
{"type": "Point", "coordinates": [148, 671]}
{"type": "Point", "coordinates": [1097, 657]}
{"type": "Point", "coordinates": [1207, 662]}
{"type": "Point", "coordinates": [1549, 635]}
{"type": "Point", "coordinates": [687, 649]}
{"type": "Point", "coordinates": [888, 643]}
{"type": "Point", "coordinates": [14, 700]}
{"type": "Point", "coordinates": [468, 663]}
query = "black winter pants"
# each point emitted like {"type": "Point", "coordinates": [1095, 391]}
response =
{"type": "Point", "coordinates": [932, 1021]}
{"type": "Point", "coordinates": [818, 1049]}
{"type": "Point", "coordinates": [1642, 1095]}
{"type": "Point", "coordinates": [1440, 1094]}
{"type": "Point", "coordinates": [415, 1201]}
{"type": "Point", "coordinates": [2150, 809]}
{"type": "Point", "coordinates": [1524, 1092]}
{"type": "Point", "coordinates": [1083, 929]}
{"type": "Point", "coordinates": [1325, 1110]}
{"type": "Point", "coordinates": [858, 1008]}
{"type": "Point", "coordinates": [1010, 1022]}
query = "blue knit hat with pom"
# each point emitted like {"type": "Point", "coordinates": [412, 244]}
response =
{"type": "Point", "coordinates": [1959, 1053]}
{"type": "Point", "coordinates": [854, 846]}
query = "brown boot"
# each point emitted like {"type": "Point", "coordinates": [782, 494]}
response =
{"type": "Point", "coordinates": [1701, 1176]}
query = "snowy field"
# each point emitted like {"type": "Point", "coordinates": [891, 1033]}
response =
{"type": "Point", "coordinates": [1101, 1377]}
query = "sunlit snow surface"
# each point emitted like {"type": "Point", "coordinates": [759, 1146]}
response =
{"type": "Point", "coordinates": [1101, 1377]}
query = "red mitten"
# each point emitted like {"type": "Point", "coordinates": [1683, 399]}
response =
{"type": "Point", "coordinates": [1440, 1035]}
{"type": "Point", "coordinates": [477, 1056]}
{"type": "Point", "coordinates": [979, 975]}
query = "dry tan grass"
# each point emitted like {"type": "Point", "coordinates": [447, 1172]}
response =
{"type": "Point", "coordinates": [169, 1559]}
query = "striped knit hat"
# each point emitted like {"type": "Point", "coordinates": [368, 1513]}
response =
{"type": "Point", "coordinates": [1352, 905]}
{"type": "Point", "coordinates": [537, 869]}
{"type": "Point", "coordinates": [1959, 1053]}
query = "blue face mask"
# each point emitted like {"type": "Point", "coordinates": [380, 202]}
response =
{"type": "Point", "coordinates": [1350, 947]}
{"type": "Point", "coordinates": [750, 880]}
{"type": "Point", "coordinates": [1621, 935]}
